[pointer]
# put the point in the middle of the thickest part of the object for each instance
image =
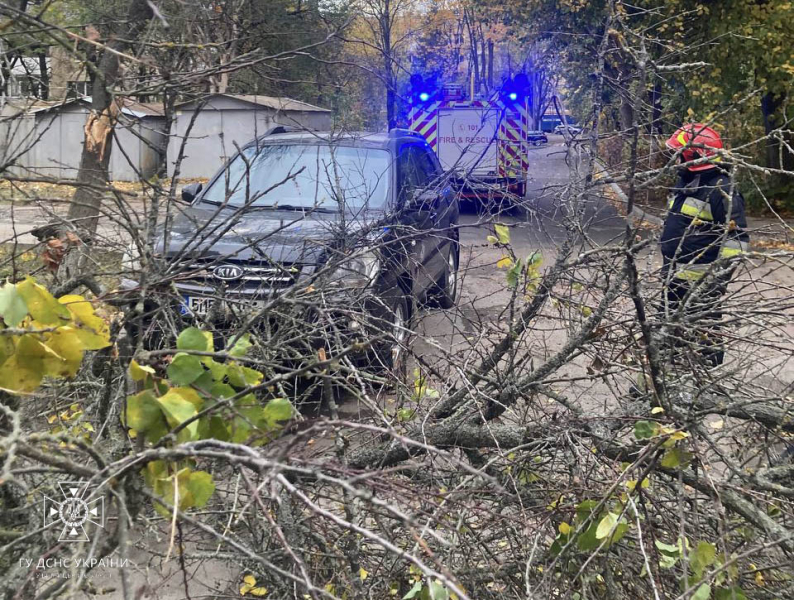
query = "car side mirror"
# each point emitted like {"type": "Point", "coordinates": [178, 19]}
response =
{"type": "Point", "coordinates": [422, 199]}
{"type": "Point", "coordinates": [189, 192]}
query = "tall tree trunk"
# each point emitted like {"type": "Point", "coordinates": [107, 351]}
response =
{"type": "Point", "coordinates": [44, 77]}
{"type": "Point", "coordinates": [93, 174]}
{"type": "Point", "coordinates": [388, 67]}
{"type": "Point", "coordinates": [490, 65]}
{"type": "Point", "coordinates": [777, 155]}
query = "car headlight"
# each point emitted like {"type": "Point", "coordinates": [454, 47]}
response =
{"type": "Point", "coordinates": [359, 270]}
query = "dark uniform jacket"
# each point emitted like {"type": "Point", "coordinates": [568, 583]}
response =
{"type": "Point", "coordinates": [706, 221]}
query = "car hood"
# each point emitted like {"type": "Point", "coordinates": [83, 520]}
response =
{"type": "Point", "coordinates": [283, 236]}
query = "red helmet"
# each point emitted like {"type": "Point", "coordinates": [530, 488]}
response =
{"type": "Point", "coordinates": [697, 140]}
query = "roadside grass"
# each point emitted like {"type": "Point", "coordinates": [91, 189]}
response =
{"type": "Point", "coordinates": [32, 191]}
{"type": "Point", "coordinates": [18, 261]}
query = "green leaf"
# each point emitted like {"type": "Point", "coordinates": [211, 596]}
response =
{"type": "Point", "coordinates": [277, 409]}
{"type": "Point", "coordinates": [434, 590]}
{"type": "Point", "coordinates": [143, 411]}
{"type": "Point", "coordinates": [406, 414]}
{"type": "Point", "coordinates": [502, 233]}
{"type": "Point", "coordinates": [732, 593]}
{"type": "Point", "coordinates": [217, 429]}
{"type": "Point", "coordinates": [675, 457]}
{"type": "Point", "coordinates": [193, 338]}
{"type": "Point", "coordinates": [606, 525]}
{"type": "Point", "coordinates": [201, 487]}
{"type": "Point", "coordinates": [620, 531]}
{"type": "Point", "coordinates": [12, 305]}
{"type": "Point", "coordinates": [535, 259]}
{"type": "Point", "coordinates": [413, 591]}
{"type": "Point", "coordinates": [513, 275]}
{"type": "Point", "coordinates": [241, 377]}
{"type": "Point", "coordinates": [42, 305]}
{"type": "Point", "coordinates": [185, 369]}
{"type": "Point", "coordinates": [588, 540]}
{"type": "Point", "coordinates": [703, 557]}
{"type": "Point", "coordinates": [241, 346]}
{"type": "Point", "coordinates": [179, 406]}
{"type": "Point", "coordinates": [645, 429]}
{"type": "Point", "coordinates": [670, 549]}
{"type": "Point", "coordinates": [702, 593]}
{"type": "Point", "coordinates": [584, 508]}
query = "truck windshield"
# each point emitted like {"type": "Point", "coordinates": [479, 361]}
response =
{"type": "Point", "coordinates": [304, 176]}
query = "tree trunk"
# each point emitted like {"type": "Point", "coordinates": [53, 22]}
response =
{"type": "Point", "coordinates": [490, 65]}
{"type": "Point", "coordinates": [44, 76]}
{"type": "Point", "coordinates": [777, 155]}
{"type": "Point", "coordinates": [388, 68]}
{"type": "Point", "coordinates": [93, 174]}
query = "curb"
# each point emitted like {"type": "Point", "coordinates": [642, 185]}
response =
{"type": "Point", "coordinates": [637, 214]}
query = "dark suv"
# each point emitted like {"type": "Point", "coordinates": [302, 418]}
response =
{"type": "Point", "coordinates": [358, 226]}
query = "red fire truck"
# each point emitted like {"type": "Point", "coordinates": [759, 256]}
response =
{"type": "Point", "coordinates": [483, 142]}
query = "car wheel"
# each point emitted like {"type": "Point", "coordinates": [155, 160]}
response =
{"type": "Point", "coordinates": [446, 292]}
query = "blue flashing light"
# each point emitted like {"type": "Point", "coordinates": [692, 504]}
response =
{"type": "Point", "coordinates": [513, 96]}
{"type": "Point", "coordinates": [424, 96]}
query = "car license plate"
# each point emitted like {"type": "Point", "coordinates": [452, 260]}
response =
{"type": "Point", "coordinates": [199, 306]}
{"type": "Point", "coordinates": [196, 305]}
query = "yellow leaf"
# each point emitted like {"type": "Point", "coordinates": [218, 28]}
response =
{"type": "Point", "coordinates": [42, 306]}
{"type": "Point", "coordinates": [656, 410]}
{"type": "Point", "coordinates": [140, 372]}
{"type": "Point", "coordinates": [564, 528]}
{"type": "Point", "coordinates": [65, 342]}
{"type": "Point", "coordinates": [259, 591]}
{"type": "Point", "coordinates": [25, 369]}
{"type": "Point", "coordinates": [502, 233]}
{"type": "Point", "coordinates": [363, 573]}
{"type": "Point", "coordinates": [92, 330]}
{"type": "Point", "coordinates": [52, 418]}
{"type": "Point", "coordinates": [504, 263]}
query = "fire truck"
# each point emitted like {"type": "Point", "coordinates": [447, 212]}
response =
{"type": "Point", "coordinates": [484, 143]}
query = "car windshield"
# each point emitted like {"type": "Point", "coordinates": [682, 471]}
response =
{"type": "Point", "coordinates": [304, 176]}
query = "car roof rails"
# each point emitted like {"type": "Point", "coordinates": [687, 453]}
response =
{"type": "Point", "coordinates": [281, 129]}
{"type": "Point", "coordinates": [400, 132]}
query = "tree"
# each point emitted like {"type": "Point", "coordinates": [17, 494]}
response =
{"type": "Point", "coordinates": [558, 433]}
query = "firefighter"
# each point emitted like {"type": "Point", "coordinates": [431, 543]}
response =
{"type": "Point", "coordinates": [704, 230]}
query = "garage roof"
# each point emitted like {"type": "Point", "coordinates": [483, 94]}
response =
{"type": "Point", "coordinates": [131, 108]}
{"type": "Point", "coordinates": [274, 102]}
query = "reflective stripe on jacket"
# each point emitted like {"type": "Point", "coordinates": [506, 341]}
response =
{"type": "Point", "coordinates": [705, 221]}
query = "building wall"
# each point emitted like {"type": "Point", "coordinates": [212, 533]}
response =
{"type": "Point", "coordinates": [135, 153]}
{"type": "Point", "coordinates": [63, 69]}
{"type": "Point", "coordinates": [217, 132]}
{"type": "Point", "coordinates": [50, 143]}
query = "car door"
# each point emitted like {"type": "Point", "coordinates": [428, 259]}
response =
{"type": "Point", "coordinates": [443, 213]}
{"type": "Point", "coordinates": [417, 220]}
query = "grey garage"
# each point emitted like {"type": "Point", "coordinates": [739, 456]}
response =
{"type": "Point", "coordinates": [46, 139]}
{"type": "Point", "coordinates": [220, 121]}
